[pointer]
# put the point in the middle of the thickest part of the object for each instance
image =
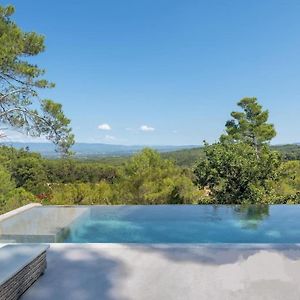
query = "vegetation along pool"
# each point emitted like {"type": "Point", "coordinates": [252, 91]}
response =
{"type": "Point", "coordinates": [155, 224]}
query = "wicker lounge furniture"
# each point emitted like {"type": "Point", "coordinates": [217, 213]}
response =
{"type": "Point", "coordinates": [20, 266]}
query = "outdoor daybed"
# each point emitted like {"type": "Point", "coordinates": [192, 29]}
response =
{"type": "Point", "coordinates": [20, 266]}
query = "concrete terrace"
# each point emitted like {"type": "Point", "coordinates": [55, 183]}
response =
{"type": "Point", "coordinates": [124, 271]}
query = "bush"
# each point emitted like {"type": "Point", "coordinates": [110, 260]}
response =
{"type": "Point", "coordinates": [81, 193]}
{"type": "Point", "coordinates": [149, 179]}
{"type": "Point", "coordinates": [15, 198]}
{"type": "Point", "coordinates": [235, 173]}
{"type": "Point", "coordinates": [30, 174]}
{"type": "Point", "coordinates": [6, 182]}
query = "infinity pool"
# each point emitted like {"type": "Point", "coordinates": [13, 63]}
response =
{"type": "Point", "coordinates": [154, 224]}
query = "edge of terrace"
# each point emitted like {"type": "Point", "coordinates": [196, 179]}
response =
{"type": "Point", "coordinates": [18, 210]}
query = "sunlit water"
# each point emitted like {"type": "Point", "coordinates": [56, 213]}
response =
{"type": "Point", "coordinates": [156, 224]}
{"type": "Point", "coordinates": [190, 224]}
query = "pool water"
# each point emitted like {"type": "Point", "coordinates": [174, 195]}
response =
{"type": "Point", "coordinates": [155, 224]}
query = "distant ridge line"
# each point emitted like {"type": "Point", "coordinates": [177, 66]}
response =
{"type": "Point", "coordinates": [94, 149]}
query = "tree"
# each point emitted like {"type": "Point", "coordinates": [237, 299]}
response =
{"type": "Point", "coordinates": [6, 182]}
{"type": "Point", "coordinates": [10, 197]}
{"type": "Point", "coordinates": [20, 83]}
{"type": "Point", "coordinates": [241, 167]}
{"type": "Point", "coordinates": [16, 198]}
{"type": "Point", "coordinates": [149, 179]}
{"type": "Point", "coordinates": [288, 189]}
{"type": "Point", "coordinates": [233, 174]}
{"type": "Point", "coordinates": [29, 173]}
{"type": "Point", "coordinates": [26, 169]}
{"type": "Point", "coordinates": [249, 126]}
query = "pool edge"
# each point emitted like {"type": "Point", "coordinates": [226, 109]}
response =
{"type": "Point", "coordinates": [18, 211]}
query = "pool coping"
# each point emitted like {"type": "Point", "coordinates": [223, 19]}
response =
{"type": "Point", "coordinates": [245, 246]}
{"type": "Point", "coordinates": [18, 211]}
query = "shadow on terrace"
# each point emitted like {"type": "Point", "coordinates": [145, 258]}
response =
{"type": "Point", "coordinates": [75, 274]}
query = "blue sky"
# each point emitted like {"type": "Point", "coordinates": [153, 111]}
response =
{"type": "Point", "coordinates": [168, 71]}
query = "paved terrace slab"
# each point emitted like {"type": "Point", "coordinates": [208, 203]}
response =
{"type": "Point", "coordinates": [158, 272]}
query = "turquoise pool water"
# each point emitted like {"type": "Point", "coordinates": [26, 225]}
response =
{"type": "Point", "coordinates": [155, 224]}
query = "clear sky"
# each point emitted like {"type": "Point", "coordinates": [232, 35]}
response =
{"type": "Point", "coordinates": [168, 71]}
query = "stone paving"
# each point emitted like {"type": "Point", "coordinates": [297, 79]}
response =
{"type": "Point", "coordinates": [158, 272]}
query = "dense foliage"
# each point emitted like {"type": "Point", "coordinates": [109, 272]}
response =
{"type": "Point", "coordinates": [234, 174]}
{"type": "Point", "coordinates": [235, 170]}
{"type": "Point", "coordinates": [146, 178]}
{"type": "Point", "coordinates": [20, 83]}
{"type": "Point", "coordinates": [287, 188]}
{"type": "Point", "coordinates": [241, 167]}
{"type": "Point", "coordinates": [10, 196]}
{"type": "Point", "coordinates": [149, 179]}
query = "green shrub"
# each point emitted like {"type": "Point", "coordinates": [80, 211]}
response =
{"type": "Point", "coordinates": [14, 199]}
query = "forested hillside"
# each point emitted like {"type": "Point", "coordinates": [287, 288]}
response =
{"type": "Point", "coordinates": [188, 157]}
{"type": "Point", "coordinates": [146, 178]}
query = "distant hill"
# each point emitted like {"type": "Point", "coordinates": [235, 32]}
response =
{"type": "Point", "coordinates": [85, 150]}
{"type": "Point", "coordinates": [188, 157]}
{"type": "Point", "coordinates": [290, 151]}
{"type": "Point", "coordinates": [185, 156]}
